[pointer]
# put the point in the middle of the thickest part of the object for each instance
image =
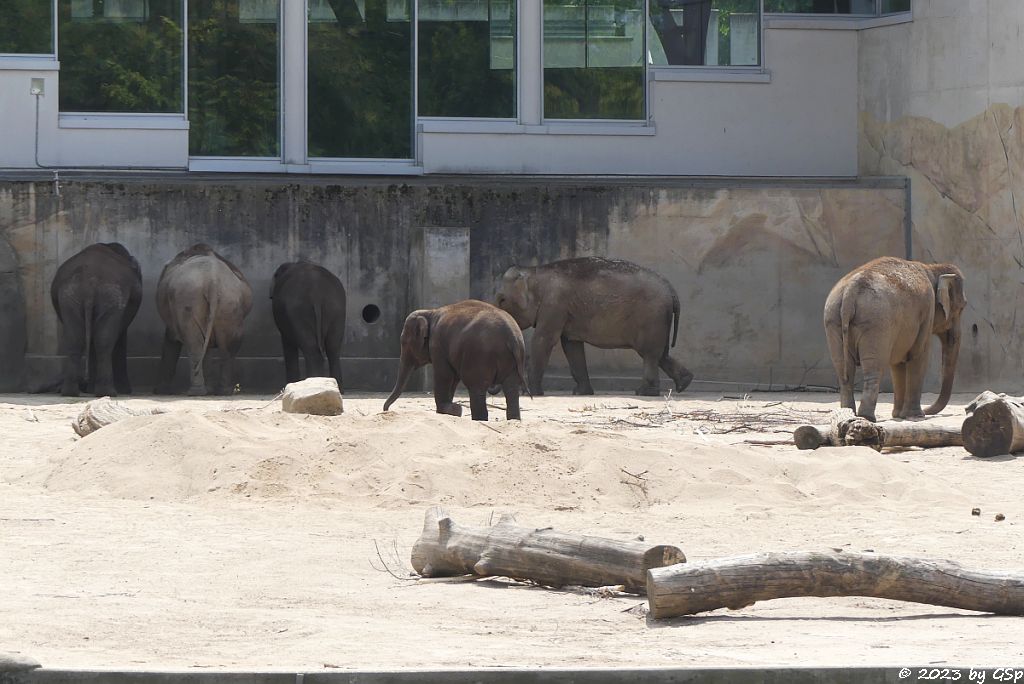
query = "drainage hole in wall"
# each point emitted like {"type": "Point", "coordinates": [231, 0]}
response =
{"type": "Point", "coordinates": [371, 312]}
{"type": "Point", "coordinates": [974, 330]}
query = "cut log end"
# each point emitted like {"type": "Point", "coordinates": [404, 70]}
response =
{"type": "Point", "coordinates": [989, 431]}
{"type": "Point", "coordinates": [808, 437]}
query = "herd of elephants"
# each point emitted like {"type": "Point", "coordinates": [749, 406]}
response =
{"type": "Point", "coordinates": [882, 314]}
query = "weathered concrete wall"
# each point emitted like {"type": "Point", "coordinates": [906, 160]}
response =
{"type": "Point", "coordinates": [942, 102]}
{"type": "Point", "coordinates": [752, 261]}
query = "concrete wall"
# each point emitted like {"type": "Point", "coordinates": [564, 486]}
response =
{"type": "Point", "coordinates": [752, 261]}
{"type": "Point", "coordinates": [942, 102]}
{"type": "Point", "coordinates": [796, 117]}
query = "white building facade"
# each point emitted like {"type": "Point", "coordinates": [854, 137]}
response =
{"type": "Point", "coordinates": [591, 87]}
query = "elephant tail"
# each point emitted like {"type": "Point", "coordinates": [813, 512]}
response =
{"type": "Point", "coordinates": [675, 317]}
{"type": "Point", "coordinates": [88, 311]}
{"type": "Point", "coordinates": [321, 335]}
{"type": "Point", "coordinates": [847, 309]}
{"type": "Point", "coordinates": [211, 315]}
{"type": "Point", "coordinates": [520, 369]}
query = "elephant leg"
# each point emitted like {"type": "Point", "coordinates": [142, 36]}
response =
{"type": "Point", "coordinates": [845, 368]}
{"type": "Point", "coordinates": [511, 389]}
{"type": "Point", "coordinates": [196, 350]}
{"type": "Point", "coordinates": [120, 364]}
{"type": "Point", "coordinates": [478, 403]}
{"type": "Point", "coordinates": [229, 342]}
{"type": "Point", "coordinates": [316, 364]}
{"type": "Point", "coordinates": [445, 382]}
{"type": "Point", "coordinates": [650, 387]}
{"type": "Point", "coordinates": [899, 388]}
{"type": "Point", "coordinates": [72, 346]}
{"type": "Point", "coordinates": [540, 352]}
{"type": "Point", "coordinates": [105, 333]}
{"type": "Point", "coordinates": [677, 371]}
{"type": "Point", "coordinates": [168, 363]}
{"type": "Point", "coordinates": [917, 366]}
{"type": "Point", "coordinates": [291, 359]}
{"type": "Point", "coordinates": [577, 359]}
{"type": "Point", "coordinates": [334, 365]}
{"type": "Point", "coordinates": [873, 369]}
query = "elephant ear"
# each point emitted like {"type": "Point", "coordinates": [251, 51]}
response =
{"type": "Point", "coordinates": [949, 293]}
{"type": "Point", "coordinates": [416, 334]}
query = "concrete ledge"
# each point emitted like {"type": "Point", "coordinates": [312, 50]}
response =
{"type": "Point", "coordinates": [823, 675]}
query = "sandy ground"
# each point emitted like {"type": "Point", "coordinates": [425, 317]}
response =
{"type": "Point", "coordinates": [226, 534]}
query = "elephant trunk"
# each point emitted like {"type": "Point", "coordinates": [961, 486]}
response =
{"type": "Point", "coordinates": [404, 372]}
{"type": "Point", "coordinates": [950, 354]}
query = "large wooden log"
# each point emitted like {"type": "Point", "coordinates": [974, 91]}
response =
{"type": "Point", "coordinates": [104, 411]}
{"type": "Point", "coordinates": [542, 555]}
{"type": "Point", "coordinates": [850, 430]}
{"type": "Point", "coordinates": [994, 425]}
{"type": "Point", "coordinates": [743, 580]}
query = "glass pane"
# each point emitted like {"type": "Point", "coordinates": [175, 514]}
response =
{"type": "Point", "coordinates": [360, 78]}
{"type": "Point", "coordinates": [120, 55]}
{"type": "Point", "coordinates": [705, 32]}
{"type": "Point", "coordinates": [467, 58]}
{"type": "Point", "coordinates": [821, 6]}
{"type": "Point", "coordinates": [893, 6]}
{"type": "Point", "coordinates": [593, 59]}
{"type": "Point", "coordinates": [233, 89]}
{"type": "Point", "coordinates": [26, 27]}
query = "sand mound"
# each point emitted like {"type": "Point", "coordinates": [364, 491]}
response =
{"type": "Point", "coordinates": [416, 456]}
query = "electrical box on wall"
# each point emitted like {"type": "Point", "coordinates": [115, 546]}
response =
{"type": "Point", "coordinates": [38, 86]}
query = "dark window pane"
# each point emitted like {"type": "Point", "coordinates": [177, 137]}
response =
{"type": "Point", "coordinates": [593, 59]}
{"type": "Point", "coordinates": [233, 91]}
{"type": "Point", "coordinates": [705, 32]}
{"type": "Point", "coordinates": [120, 55]}
{"type": "Point", "coordinates": [360, 78]}
{"type": "Point", "coordinates": [821, 6]}
{"type": "Point", "coordinates": [893, 6]}
{"type": "Point", "coordinates": [467, 58]}
{"type": "Point", "coordinates": [26, 27]}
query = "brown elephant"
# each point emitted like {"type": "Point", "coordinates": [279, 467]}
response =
{"type": "Point", "coordinates": [96, 294]}
{"type": "Point", "coordinates": [471, 341]}
{"type": "Point", "coordinates": [203, 299]}
{"type": "Point", "coordinates": [609, 303]}
{"type": "Point", "coordinates": [884, 314]}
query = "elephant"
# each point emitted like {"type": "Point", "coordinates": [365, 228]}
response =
{"type": "Point", "coordinates": [609, 303]}
{"type": "Point", "coordinates": [309, 311]}
{"type": "Point", "coordinates": [96, 294]}
{"type": "Point", "coordinates": [884, 314]}
{"type": "Point", "coordinates": [203, 300]}
{"type": "Point", "coordinates": [471, 341]}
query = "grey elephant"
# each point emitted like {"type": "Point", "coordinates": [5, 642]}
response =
{"type": "Point", "coordinates": [96, 294]}
{"type": "Point", "coordinates": [203, 300]}
{"type": "Point", "coordinates": [309, 310]}
{"type": "Point", "coordinates": [470, 341]}
{"type": "Point", "coordinates": [884, 314]}
{"type": "Point", "coordinates": [609, 303]}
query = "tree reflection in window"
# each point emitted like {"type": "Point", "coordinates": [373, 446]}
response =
{"type": "Point", "coordinates": [233, 89]}
{"type": "Point", "coordinates": [593, 59]}
{"type": "Point", "coordinates": [705, 32]}
{"type": "Point", "coordinates": [360, 78]}
{"type": "Point", "coordinates": [121, 56]}
{"type": "Point", "coordinates": [26, 27]}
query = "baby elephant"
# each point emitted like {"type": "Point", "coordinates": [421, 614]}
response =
{"type": "Point", "coordinates": [309, 310]}
{"type": "Point", "coordinates": [471, 341]}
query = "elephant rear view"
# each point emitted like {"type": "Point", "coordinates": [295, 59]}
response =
{"type": "Point", "coordinates": [203, 300]}
{"type": "Point", "coordinates": [609, 303]}
{"type": "Point", "coordinates": [309, 310]}
{"type": "Point", "coordinates": [96, 294]}
{"type": "Point", "coordinates": [884, 314]}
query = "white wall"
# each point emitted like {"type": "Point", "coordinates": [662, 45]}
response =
{"type": "Point", "coordinates": [796, 118]}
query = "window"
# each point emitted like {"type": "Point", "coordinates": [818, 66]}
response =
{"type": "Point", "coordinates": [705, 32]}
{"type": "Point", "coordinates": [26, 27]}
{"type": "Point", "coordinates": [467, 57]}
{"type": "Point", "coordinates": [122, 56]}
{"type": "Point", "coordinates": [894, 6]}
{"type": "Point", "coordinates": [360, 78]}
{"type": "Point", "coordinates": [861, 7]}
{"type": "Point", "coordinates": [233, 90]}
{"type": "Point", "coordinates": [593, 59]}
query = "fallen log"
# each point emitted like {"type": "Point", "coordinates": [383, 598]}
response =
{"type": "Point", "coordinates": [849, 430]}
{"type": "Point", "coordinates": [542, 555]}
{"type": "Point", "coordinates": [994, 425]}
{"type": "Point", "coordinates": [104, 411]}
{"type": "Point", "coordinates": [740, 581]}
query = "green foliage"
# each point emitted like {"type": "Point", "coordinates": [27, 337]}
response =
{"type": "Point", "coordinates": [122, 66]}
{"type": "Point", "coordinates": [600, 93]}
{"type": "Point", "coordinates": [456, 78]}
{"type": "Point", "coordinates": [26, 27]}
